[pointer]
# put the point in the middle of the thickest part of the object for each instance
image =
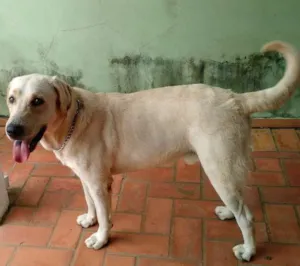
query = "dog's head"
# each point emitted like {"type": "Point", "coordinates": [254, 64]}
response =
{"type": "Point", "coordinates": [34, 102]}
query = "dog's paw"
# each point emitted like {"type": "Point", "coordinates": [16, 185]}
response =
{"type": "Point", "coordinates": [243, 252]}
{"type": "Point", "coordinates": [223, 213]}
{"type": "Point", "coordinates": [86, 220]}
{"type": "Point", "coordinates": [97, 240]}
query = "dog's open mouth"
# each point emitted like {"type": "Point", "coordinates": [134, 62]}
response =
{"type": "Point", "coordinates": [22, 148]}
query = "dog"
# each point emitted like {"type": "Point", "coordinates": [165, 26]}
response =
{"type": "Point", "coordinates": [98, 135]}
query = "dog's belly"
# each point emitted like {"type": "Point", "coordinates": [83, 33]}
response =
{"type": "Point", "coordinates": [138, 164]}
{"type": "Point", "coordinates": [189, 158]}
{"type": "Point", "coordinates": [150, 141]}
{"type": "Point", "coordinates": [148, 156]}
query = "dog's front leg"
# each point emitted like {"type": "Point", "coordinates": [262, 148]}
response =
{"type": "Point", "coordinates": [98, 190]}
{"type": "Point", "coordinates": [87, 219]}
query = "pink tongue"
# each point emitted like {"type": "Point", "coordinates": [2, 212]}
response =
{"type": "Point", "coordinates": [20, 151]}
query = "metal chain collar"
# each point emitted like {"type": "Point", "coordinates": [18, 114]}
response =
{"type": "Point", "coordinates": [71, 129]}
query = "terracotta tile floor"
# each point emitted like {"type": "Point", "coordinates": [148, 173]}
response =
{"type": "Point", "coordinates": [162, 217]}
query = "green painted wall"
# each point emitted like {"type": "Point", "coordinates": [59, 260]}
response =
{"type": "Point", "coordinates": [127, 45]}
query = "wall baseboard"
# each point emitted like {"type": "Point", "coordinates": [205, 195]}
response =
{"type": "Point", "coordinates": [276, 122]}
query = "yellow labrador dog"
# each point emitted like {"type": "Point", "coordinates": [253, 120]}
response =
{"type": "Point", "coordinates": [98, 135]}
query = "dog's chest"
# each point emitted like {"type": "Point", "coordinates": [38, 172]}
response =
{"type": "Point", "coordinates": [66, 160]}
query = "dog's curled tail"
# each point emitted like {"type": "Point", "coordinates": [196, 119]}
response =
{"type": "Point", "coordinates": [272, 98]}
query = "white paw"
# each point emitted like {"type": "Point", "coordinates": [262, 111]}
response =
{"type": "Point", "coordinates": [243, 252]}
{"type": "Point", "coordinates": [223, 213]}
{"type": "Point", "coordinates": [86, 220]}
{"type": "Point", "coordinates": [97, 240]}
{"type": "Point", "coordinates": [190, 158]}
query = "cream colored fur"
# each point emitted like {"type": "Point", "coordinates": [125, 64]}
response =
{"type": "Point", "coordinates": [117, 133]}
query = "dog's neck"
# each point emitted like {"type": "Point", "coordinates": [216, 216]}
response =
{"type": "Point", "coordinates": [59, 130]}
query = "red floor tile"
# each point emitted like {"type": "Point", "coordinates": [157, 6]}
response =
{"type": "Point", "coordinates": [275, 154]}
{"type": "Point", "coordinates": [69, 184]}
{"type": "Point", "coordinates": [286, 139]}
{"type": "Point", "coordinates": [262, 140]}
{"type": "Point", "coordinates": [42, 157]}
{"type": "Point", "coordinates": [164, 262]}
{"type": "Point", "coordinates": [32, 191]}
{"type": "Point", "coordinates": [7, 166]}
{"type": "Point", "coordinates": [114, 202]}
{"type": "Point", "coordinates": [209, 192]}
{"type": "Point", "coordinates": [283, 223]}
{"type": "Point", "coordinates": [52, 170]}
{"type": "Point", "coordinates": [66, 233]}
{"type": "Point", "coordinates": [155, 175]}
{"type": "Point", "coordinates": [219, 254]}
{"type": "Point", "coordinates": [292, 169]}
{"type": "Point", "coordinates": [5, 156]}
{"type": "Point", "coordinates": [158, 216]}
{"type": "Point", "coordinates": [2, 132]}
{"type": "Point", "coordinates": [252, 199]}
{"type": "Point", "coordinates": [88, 257]}
{"type": "Point", "coordinates": [174, 190]}
{"type": "Point", "coordinates": [251, 196]}
{"type": "Point", "coordinates": [117, 184]}
{"type": "Point", "coordinates": [139, 244]}
{"type": "Point", "coordinates": [276, 255]}
{"type": "Point", "coordinates": [19, 215]}
{"type": "Point", "coordinates": [265, 179]}
{"type": "Point", "coordinates": [3, 121]}
{"type": "Point", "coordinates": [77, 201]}
{"type": "Point", "coordinates": [56, 199]}
{"type": "Point", "coordinates": [229, 230]}
{"type": "Point", "coordinates": [114, 260]}
{"type": "Point", "coordinates": [28, 256]}
{"type": "Point", "coordinates": [199, 209]}
{"type": "Point", "coordinates": [45, 216]}
{"type": "Point", "coordinates": [20, 174]}
{"type": "Point", "coordinates": [127, 222]}
{"type": "Point", "coordinates": [187, 173]}
{"type": "Point", "coordinates": [298, 211]}
{"type": "Point", "coordinates": [186, 239]}
{"type": "Point", "coordinates": [161, 217]}
{"type": "Point", "coordinates": [6, 254]}
{"type": "Point", "coordinates": [24, 235]}
{"type": "Point", "coordinates": [267, 164]}
{"type": "Point", "coordinates": [133, 196]}
{"type": "Point", "coordinates": [6, 144]}
{"type": "Point", "coordinates": [290, 195]}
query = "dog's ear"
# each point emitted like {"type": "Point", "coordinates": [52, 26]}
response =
{"type": "Point", "coordinates": [64, 94]}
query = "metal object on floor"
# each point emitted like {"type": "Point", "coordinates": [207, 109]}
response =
{"type": "Point", "coordinates": [4, 200]}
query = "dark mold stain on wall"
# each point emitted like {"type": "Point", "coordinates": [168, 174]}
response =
{"type": "Point", "coordinates": [49, 67]}
{"type": "Point", "coordinates": [133, 73]}
{"type": "Point", "coordinates": [45, 66]}
{"type": "Point", "coordinates": [72, 77]}
{"type": "Point", "coordinates": [250, 73]}
{"type": "Point", "coordinates": [136, 72]}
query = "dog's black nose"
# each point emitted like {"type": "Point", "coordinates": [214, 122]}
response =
{"type": "Point", "coordinates": [15, 131]}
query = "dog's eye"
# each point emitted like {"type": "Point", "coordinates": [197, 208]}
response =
{"type": "Point", "coordinates": [37, 102]}
{"type": "Point", "coordinates": [11, 99]}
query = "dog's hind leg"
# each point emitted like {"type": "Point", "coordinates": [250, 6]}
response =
{"type": "Point", "coordinates": [226, 166]}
